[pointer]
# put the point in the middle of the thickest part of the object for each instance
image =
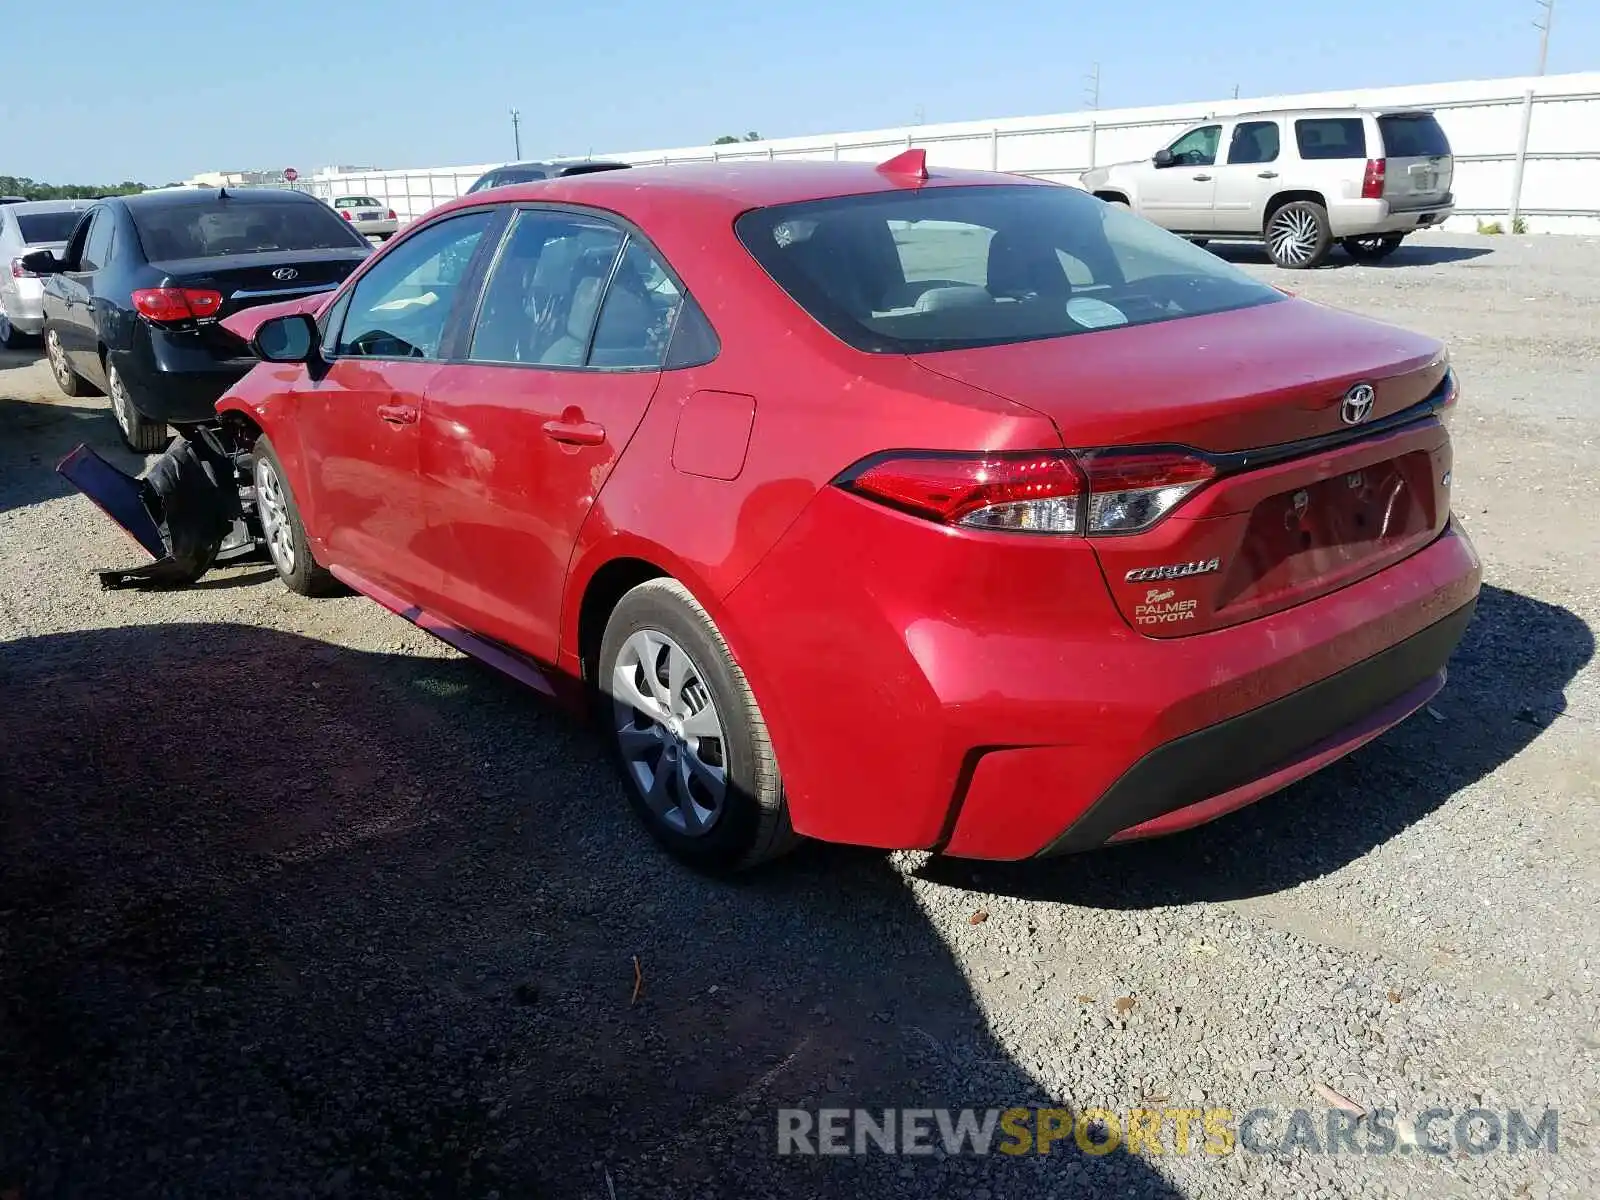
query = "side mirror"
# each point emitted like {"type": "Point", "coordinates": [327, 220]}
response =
{"type": "Point", "coordinates": [41, 262]}
{"type": "Point", "coordinates": [289, 339]}
{"type": "Point", "coordinates": [1163, 158]}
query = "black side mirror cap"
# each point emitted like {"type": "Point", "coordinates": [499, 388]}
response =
{"type": "Point", "coordinates": [1163, 158]}
{"type": "Point", "coordinates": [41, 262]}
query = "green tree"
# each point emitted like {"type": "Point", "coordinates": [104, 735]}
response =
{"type": "Point", "coordinates": [728, 139]}
{"type": "Point", "coordinates": [18, 185]}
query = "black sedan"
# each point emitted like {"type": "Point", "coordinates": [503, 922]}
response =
{"type": "Point", "coordinates": [132, 305]}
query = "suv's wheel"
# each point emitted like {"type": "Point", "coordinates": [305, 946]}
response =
{"type": "Point", "coordinates": [1371, 249]}
{"type": "Point", "coordinates": [141, 433]}
{"type": "Point", "coordinates": [689, 737]}
{"type": "Point", "coordinates": [1297, 235]}
{"type": "Point", "coordinates": [67, 379]}
{"type": "Point", "coordinates": [281, 527]}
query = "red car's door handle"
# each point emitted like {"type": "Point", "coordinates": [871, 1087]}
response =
{"type": "Point", "coordinates": [398, 414]}
{"type": "Point", "coordinates": [576, 433]}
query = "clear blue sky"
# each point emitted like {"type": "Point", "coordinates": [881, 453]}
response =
{"type": "Point", "coordinates": [99, 91]}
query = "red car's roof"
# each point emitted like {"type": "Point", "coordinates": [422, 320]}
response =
{"type": "Point", "coordinates": [733, 186]}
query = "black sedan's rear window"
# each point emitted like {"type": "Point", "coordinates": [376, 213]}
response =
{"type": "Point", "coordinates": [211, 230]}
{"type": "Point", "coordinates": [942, 268]}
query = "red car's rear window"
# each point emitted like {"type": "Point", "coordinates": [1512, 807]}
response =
{"type": "Point", "coordinates": [946, 268]}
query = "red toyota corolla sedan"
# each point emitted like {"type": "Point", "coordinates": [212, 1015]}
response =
{"type": "Point", "coordinates": [956, 511]}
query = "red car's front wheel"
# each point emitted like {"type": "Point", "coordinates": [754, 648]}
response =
{"type": "Point", "coordinates": [688, 735]}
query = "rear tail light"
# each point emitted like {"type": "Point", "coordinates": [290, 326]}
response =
{"type": "Point", "coordinates": [1032, 493]}
{"type": "Point", "coordinates": [392, 217]}
{"type": "Point", "coordinates": [1130, 490]}
{"type": "Point", "coordinates": [345, 213]}
{"type": "Point", "coordinates": [1452, 395]}
{"type": "Point", "coordinates": [1372, 181]}
{"type": "Point", "coordinates": [18, 271]}
{"type": "Point", "coordinates": [165, 305]}
{"type": "Point", "coordinates": [1093, 492]}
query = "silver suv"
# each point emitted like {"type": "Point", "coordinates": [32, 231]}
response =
{"type": "Point", "coordinates": [1298, 180]}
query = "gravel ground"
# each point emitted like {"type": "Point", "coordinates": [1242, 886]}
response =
{"type": "Point", "coordinates": [296, 901]}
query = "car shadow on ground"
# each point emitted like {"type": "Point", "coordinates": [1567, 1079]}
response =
{"type": "Point", "coordinates": [1410, 254]}
{"type": "Point", "coordinates": [1507, 682]}
{"type": "Point", "coordinates": [35, 436]}
{"type": "Point", "coordinates": [281, 917]}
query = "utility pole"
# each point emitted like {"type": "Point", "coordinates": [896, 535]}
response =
{"type": "Point", "coordinates": [1236, 91]}
{"type": "Point", "coordinates": [1549, 7]}
{"type": "Point", "coordinates": [516, 132]}
{"type": "Point", "coordinates": [916, 116]}
{"type": "Point", "coordinates": [1092, 91]}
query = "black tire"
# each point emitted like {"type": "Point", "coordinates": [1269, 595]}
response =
{"type": "Point", "coordinates": [751, 824]}
{"type": "Point", "coordinates": [276, 510]}
{"type": "Point", "coordinates": [138, 431]}
{"type": "Point", "coordinates": [1374, 248]}
{"type": "Point", "coordinates": [1297, 235]}
{"type": "Point", "coordinates": [68, 380]}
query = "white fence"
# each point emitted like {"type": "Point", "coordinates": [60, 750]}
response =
{"type": "Point", "coordinates": [1527, 146]}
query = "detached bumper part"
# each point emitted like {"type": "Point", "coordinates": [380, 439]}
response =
{"type": "Point", "coordinates": [185, 511]}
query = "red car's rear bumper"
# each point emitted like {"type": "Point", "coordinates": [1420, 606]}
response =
{"type": "Point", "coordinates": [987, 700]}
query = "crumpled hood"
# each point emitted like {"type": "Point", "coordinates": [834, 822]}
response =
{"type": "Point", "coordinates": [244, 323]}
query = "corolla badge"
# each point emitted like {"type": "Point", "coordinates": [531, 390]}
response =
{"type": "Point", "coordinates": [1357, 404]}
{"type": "Point", "coordinates": [1173, 571]}
{"type": "Point", "coordinates": [284, 274]}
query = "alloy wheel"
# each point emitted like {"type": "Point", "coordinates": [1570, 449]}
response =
{"type": "Point", "coordinates": [669, 733]}
{"type": "Point", "coordinates": [272, 505]}
{"type": "Point", "coordinates": [1292, 235]}
{"type": "Point", "coordinates": [121, 406]}
{"type": "Point", "coordinates": [58, 360]}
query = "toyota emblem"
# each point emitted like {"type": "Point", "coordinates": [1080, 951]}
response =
{"type": "Point", "coordinates": [284, 274]}
{"type": "Point", "coordinates": [1357, 406]}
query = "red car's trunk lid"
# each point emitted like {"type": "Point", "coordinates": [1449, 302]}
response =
{"type": "Point", "coordinates": [1231, 381]}
{"type": "Point", "coordinates": [1303, 502]}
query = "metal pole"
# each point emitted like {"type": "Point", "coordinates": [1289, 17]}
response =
{"type": "Point", "coordinates": [516, 132]}
{"type": "Point", "coordinates": [1094, 130]}
{"type": "Point", "coordinates": [994, 149]}
{"type": "Point", "coordinates": [1549, 7]}
{"type": "Point", "coordinates": [1522, 157]}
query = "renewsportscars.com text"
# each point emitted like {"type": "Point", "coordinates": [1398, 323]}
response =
{"type": "Point", "coordinates": [1157, 1131]}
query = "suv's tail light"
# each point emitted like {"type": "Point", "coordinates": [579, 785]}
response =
{"type": "Point", "coordinates": [176, 304]}
{"type": "Point", "coordinates": [1093, 492]}
{"type": "Point", "coordinates": [1372, 180]}
{"type": "Point", "coordinates": [18, 271]}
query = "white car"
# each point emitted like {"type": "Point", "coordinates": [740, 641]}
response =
{"type": "Point", "coordinates": [1299, 180]}
{"type": "Point", "coordinates": [25, 227]}
{"type": "Point", "coordinates": [369, 215]}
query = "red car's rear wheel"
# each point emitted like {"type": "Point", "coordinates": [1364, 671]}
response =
{"type": "Point", "coordinates": [688, 735]}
